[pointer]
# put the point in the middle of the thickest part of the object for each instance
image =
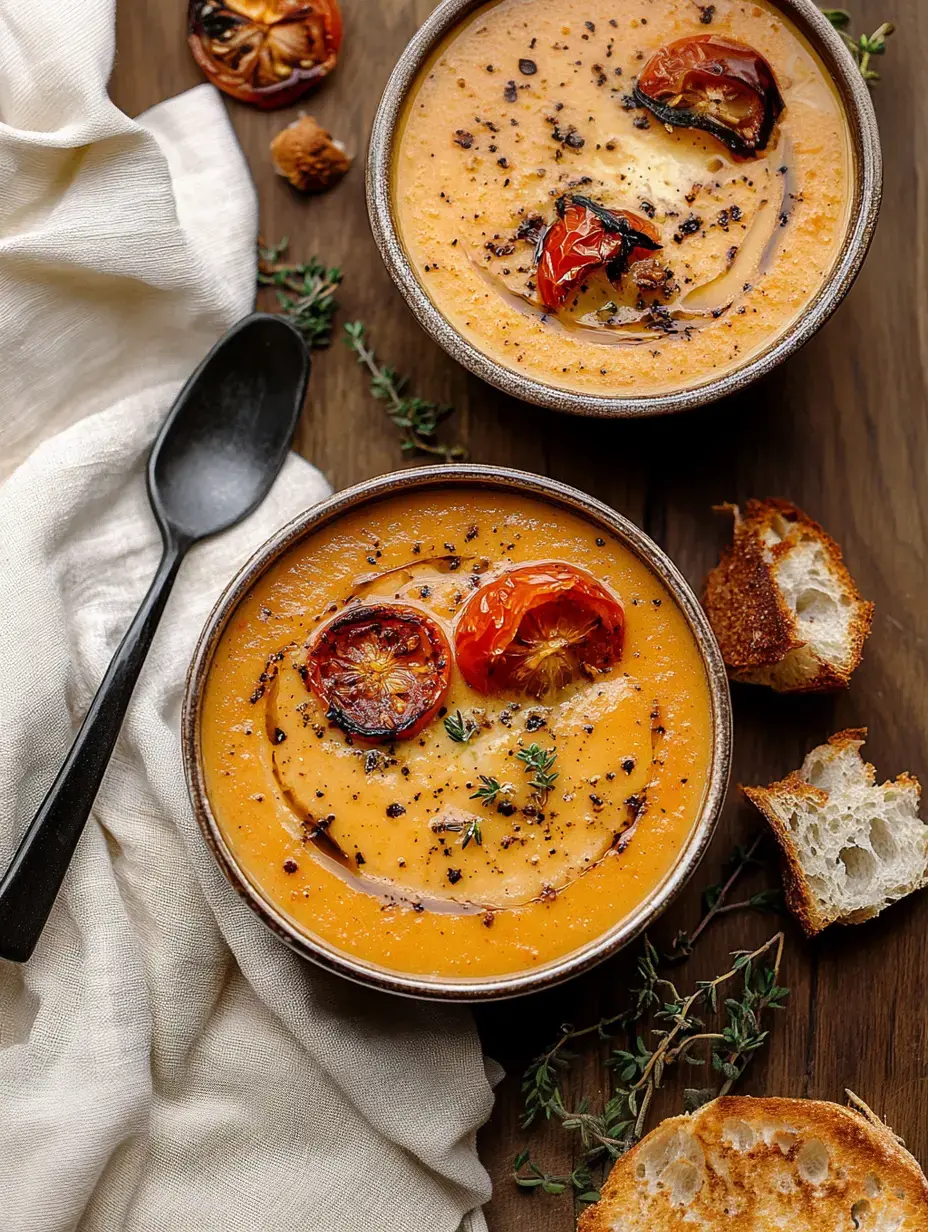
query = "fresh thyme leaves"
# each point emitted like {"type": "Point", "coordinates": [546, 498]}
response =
{"type": "Point", "coordinates": [489, 792]}
{"type": "Point", "coordinates": [459, 728]}
{"type": "Point", "coordinates": [679, 1033]}
{"type": "Point", "coordinates": [580, 1179]}
{"type": "Point", "coordinates": [306, 298]}
{"type": "Point", "coordinates": [473, 833]}
{"type": "Point", "coordinates": [743, 1032]}
{"type": "Point", "coordinates": [539, 1083]}
{"type": "Point", "coordinates": [305, 292]}
{"type": "Point", "coordinates": [539, 761]}
{"type": "Point", "coordinates": [862, 47]}
{"type": "Point", "coordinates": [416, 419]}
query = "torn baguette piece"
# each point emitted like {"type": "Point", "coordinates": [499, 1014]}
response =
{"type": "Point", "coordinates": [850, 847]}
{"type": "Point", "coordinates": [782, 604]}
{"type": "Point", "coordinates": [764, 1165]}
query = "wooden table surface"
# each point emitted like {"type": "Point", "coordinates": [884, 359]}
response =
{"type": "Point", "coordinates": [841, 429]}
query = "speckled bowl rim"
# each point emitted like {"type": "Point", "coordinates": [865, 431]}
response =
{"type": "Point", "coordinates": [449, 478]}
{"type": "Point", "coordinates": [868, 183]}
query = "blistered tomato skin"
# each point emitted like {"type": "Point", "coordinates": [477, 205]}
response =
{"type": "Point", "coordinates": [585, 237]}
{"type": "Point", "coordinates": [265, 52]}
{"type": "Point", "coordinates": [382, 670]}
{"type": "Point", "coordinates": [719, 85]}
{"type": "Point", "coordinates": [537, 628]}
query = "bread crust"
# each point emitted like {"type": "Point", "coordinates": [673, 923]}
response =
{"type": "Point", "coordinates": [755, 627]}
{"type": "Point", "coordinates": [858, 1148]}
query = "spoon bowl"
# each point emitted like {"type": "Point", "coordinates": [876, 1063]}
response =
{"type": "Point", "coordinates": [213, 462]}
{"type": "Point", "coordinates": [229, 430]}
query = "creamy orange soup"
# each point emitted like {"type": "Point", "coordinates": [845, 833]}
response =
{"type": "Point", "coordinates": [363, 846]}
{"type": "Point", "coordinates": [532, 99]}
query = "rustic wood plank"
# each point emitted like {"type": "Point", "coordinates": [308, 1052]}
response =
{"type": "Point", "coordinates": [841, 430]}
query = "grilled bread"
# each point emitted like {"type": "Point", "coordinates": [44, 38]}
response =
{"type": "Point", "coordinates": [850, 847]}
{"type": "Point", "coordinates": [783, 606]}
{"type": "Point", "coordinates": [764, 1165]}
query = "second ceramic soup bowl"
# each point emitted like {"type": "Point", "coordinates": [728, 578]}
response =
{"type": "Point", "coordinates": [617, 208]}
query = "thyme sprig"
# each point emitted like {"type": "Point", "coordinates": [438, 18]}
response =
{"type": "Point", "coordinates": [538, 763]}
{"type": "Point", "coordinates": [732, 1047]}
{"type": "Point", "coordinates": [679, 1034]}
{"type": "Point", "coordinates": [416, 418]}
{"type": "Point", "coordinates": [306, 298]}
{"type": "Point", "coordinates": [460, 729]}
{"type": "Point", "coordinates": [863, 47]}
{"type": "Point", "coordinates": [305, 291]}
{"type": "Point", "coordinates": [540, 1087]}
{"type": "Point", "coordinates": [715, 898]}
{"type": "Point", "coordinates": [489, 791]}
{"type": "Point", "coordinates": [580, 1179]}
{"type": "Point", "coordinates": [661, 1027]}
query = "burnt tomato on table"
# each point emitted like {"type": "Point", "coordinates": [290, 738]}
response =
{"type": "Point", "coordinates": [585, 237]}
{"type": "Point", "coordinates": [537, 628]}
{"type": "Point", "coordinates": [382, 670]}
{"type": "Point", "coordinates": [719, 85]}
{"type": "Point", "coordinates": [265, 52]}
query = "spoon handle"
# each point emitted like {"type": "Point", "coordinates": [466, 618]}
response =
{"type": "Point", "coordinates": [34, 878]}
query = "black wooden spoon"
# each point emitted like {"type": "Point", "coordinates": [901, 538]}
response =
{"type": "Point", "coordinates": [213, 462]}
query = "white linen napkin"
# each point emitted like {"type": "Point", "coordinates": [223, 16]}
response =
{"type": "Point", "coordinates": [165, 1064]}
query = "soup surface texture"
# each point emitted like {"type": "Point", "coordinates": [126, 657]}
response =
{"type": "Point", "coordinates": [513, 827]}
{"type": "Point", "coordinates": [529, 102]}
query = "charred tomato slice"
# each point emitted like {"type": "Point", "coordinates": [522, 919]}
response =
{"type": "Point", "coordinates": [265, 52]}
{"type": "Point", "coordinates": [716, 84]}
{"type": "Point", "coordinates": [584, 237]}
{"type": "Point", "coordinates": [537, 628]}
{"type": "Point", "coordinates": [382, 671]}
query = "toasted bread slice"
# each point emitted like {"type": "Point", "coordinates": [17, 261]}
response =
{"type": "Point", "coordinates": [783, 606]}
{"type": "Point", "coordinates": [764, 1165]}
{"type": "Point", "coordinates": [850, 847]}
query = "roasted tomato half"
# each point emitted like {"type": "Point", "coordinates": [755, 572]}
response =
{"type": "Point", "coordinates": [585, 237]}
{"type": "Point", "coordinates": [723, 87]}
{"type": "Point", "coordinates": [537, 628]}
{"type": "Point", "coordinates": [266, 52]}
{"type": "Point", "coordinates": [381, 670]}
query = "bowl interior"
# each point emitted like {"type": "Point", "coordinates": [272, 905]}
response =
{"type": "Point", "coordinates": [862, 219]}
{"type": "Point", "coordinates": [445, 478]}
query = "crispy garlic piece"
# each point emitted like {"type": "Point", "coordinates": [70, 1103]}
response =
{"type": "Point", "coordinates": [308, 156]}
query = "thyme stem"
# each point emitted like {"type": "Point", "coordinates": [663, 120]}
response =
{"type": "Point", "coordinates": [719, 906]}
{"type": "Point", "coordinates": [715, 898]}
{"type": "Point", "coordinates": [417, 419]}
